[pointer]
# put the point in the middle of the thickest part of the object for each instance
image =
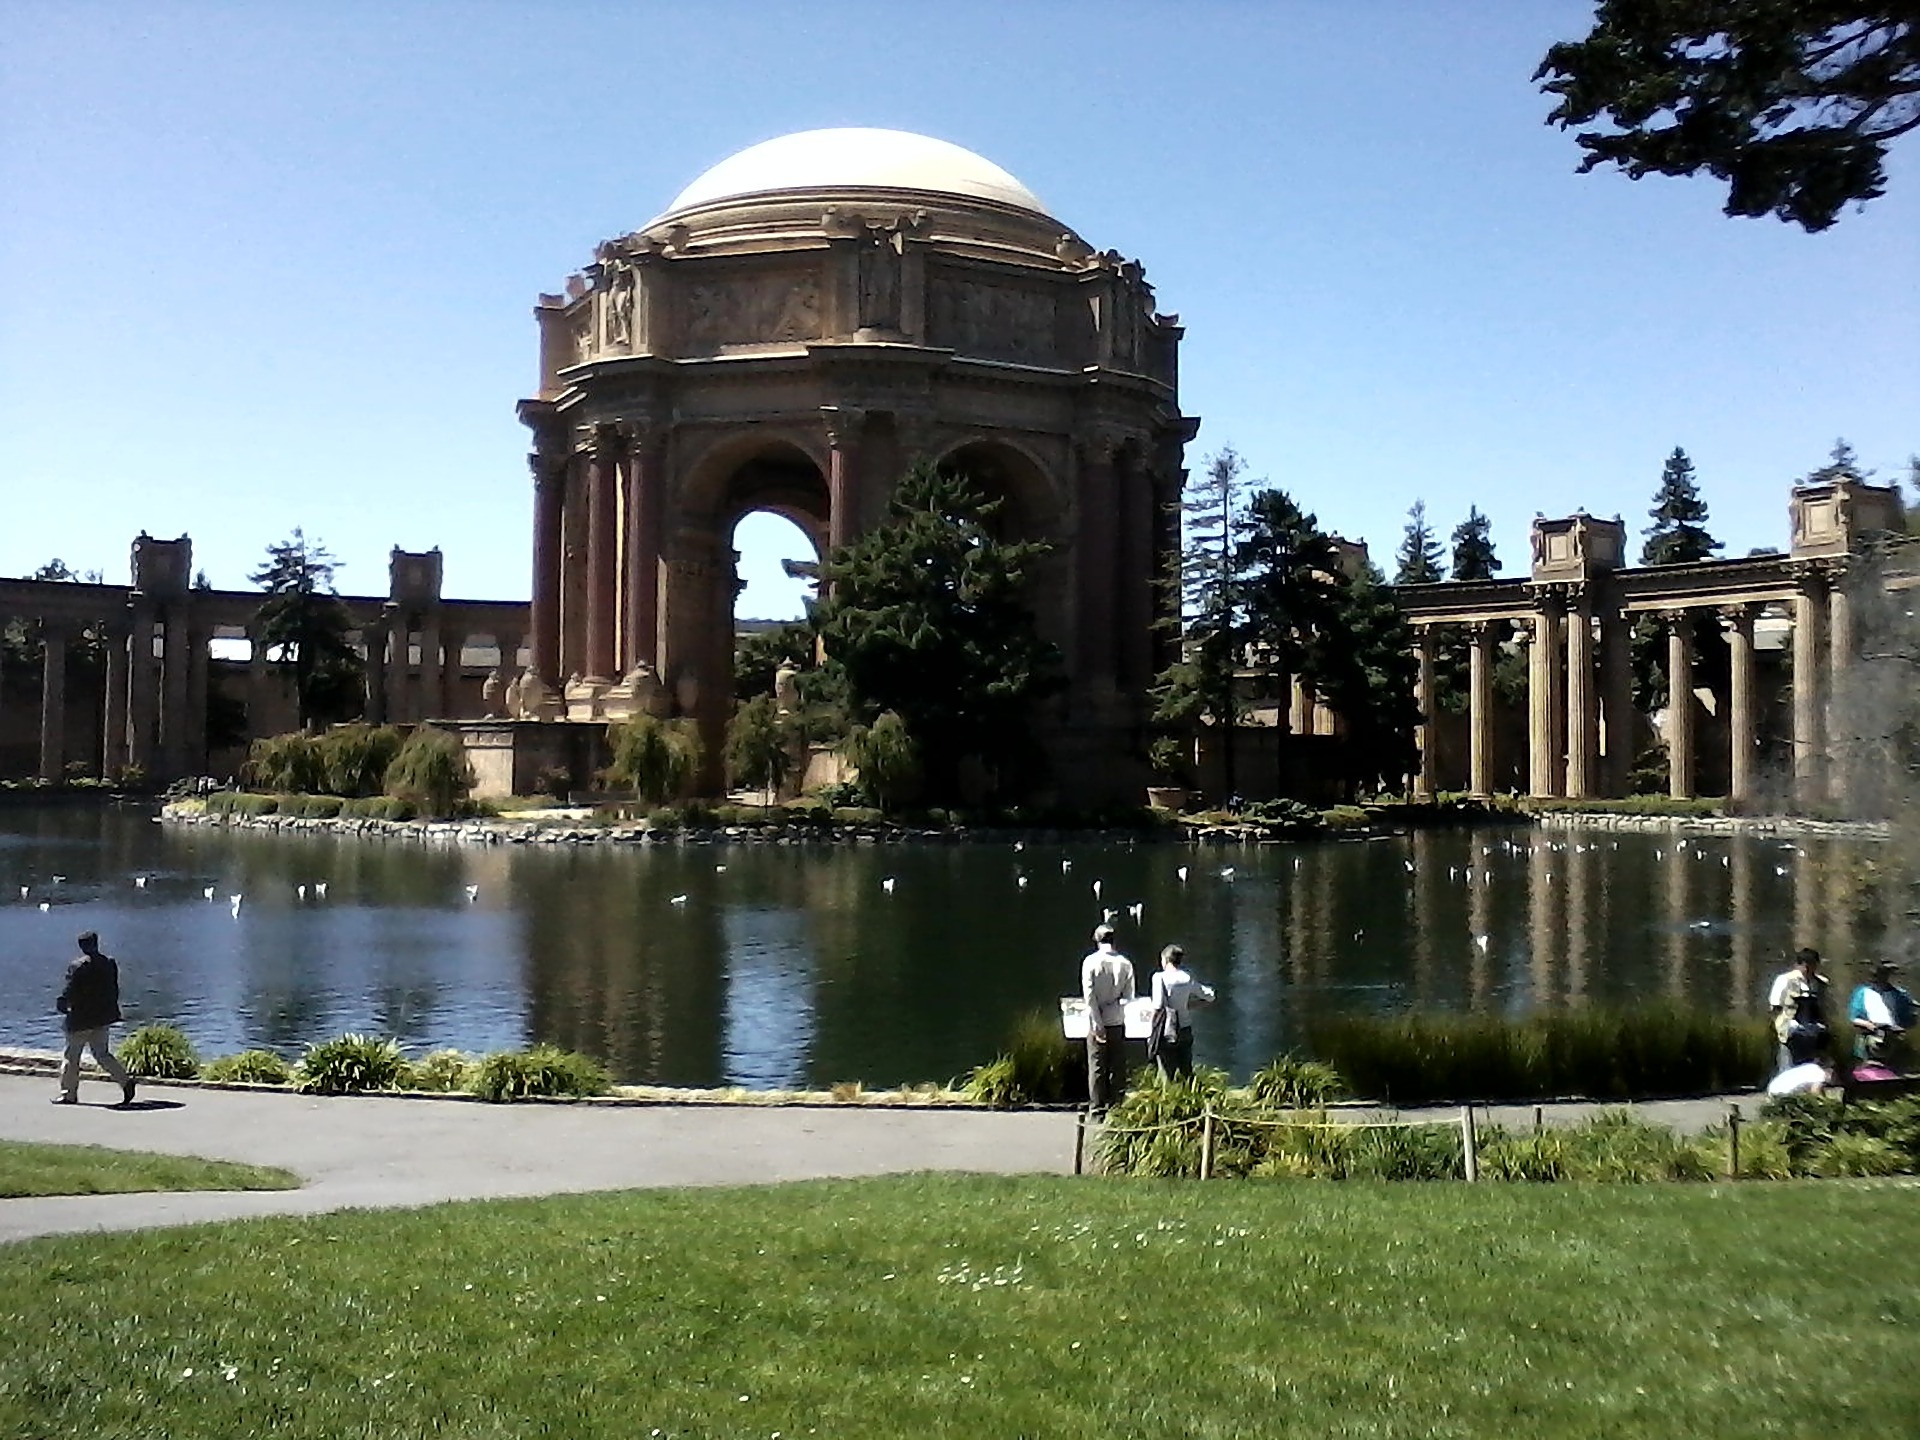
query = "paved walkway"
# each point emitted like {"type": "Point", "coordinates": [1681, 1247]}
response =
{"type": "Point", "coordinates": [375, 1152]}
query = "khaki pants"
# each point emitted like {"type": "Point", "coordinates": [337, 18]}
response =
{"type": "Point", "coordinates": [96, 1041]}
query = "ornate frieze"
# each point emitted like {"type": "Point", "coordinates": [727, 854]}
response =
{"type": "Point", "coordinates": [995, 320]}
{"type": "Point", "coordinates": [750, 310]}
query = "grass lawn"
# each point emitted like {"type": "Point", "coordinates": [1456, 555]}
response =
{"type": "Point", "coordinates": [27, 1169]}
{"type": "Point", "coordinates": [941, 1306]}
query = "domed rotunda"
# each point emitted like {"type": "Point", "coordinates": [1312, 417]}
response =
{"type": "Point", "coordinates": [801, 323]}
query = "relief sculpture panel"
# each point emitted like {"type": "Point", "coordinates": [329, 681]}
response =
{"type": "Point", "coordinates": [764, 310]}
{"type": "Point", "coordinates": [995, 321]}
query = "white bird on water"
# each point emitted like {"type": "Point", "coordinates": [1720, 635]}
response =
{"type": "Point", "coordinates": [1779, 869]}
{"type": "Point", "coordinates": [1226, 872]}
{"type": "Point", "coordinates": [1019, 845]}
{"type": "Point", "coordinates": [1107, 914]}
{"type": "Point", "coordinates": [320, 888]}
{"type": "Point", "coordinates": [1481, 941]}
{"type": "Point", "coordinates": [677, 900]}
{"type": "Point", "coordinates": [1021, 881]}
{"type": "Point", "coordinates": [1409, 865]}
{"type": "Point", "coordinates": [1181, 873]}
{"type": "Point", "coordinates": [473, 893]}
{"type": "Point", "coordinates": [234, 901]}
{"type": "Point", "coordinates": [139, 882]}
{"type": "Point", "coordinates": [45, 907]}
{"type": "Point", "coordinates": [719, 869]}
{"type": "Point", "coordinates": [887, 884]}
{"type": "Point", "coordinates": [23, 891]}
{"type": "Point", "coordinates": [1065, 866]}
{"type": "Point", "coordinates": [300, 891]}
{"type": "Point", "coordinates": [208, 892]}
{"type": "Point", "coordinates": [59, 879]}
{"type": "Point", "coordinates": [1138, 911]}
{"type": "Point", "coordinates": [1096, 889]}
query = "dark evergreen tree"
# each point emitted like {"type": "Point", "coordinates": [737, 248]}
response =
{"type": "Point", "coordinates": [1842, 464]}
{"type": "Point", "coordinates": [1791, 102]}
{"type": "Point", "coordinates": [1678, 535]}
{"type": "Point", "coordinates": [1199, 686]}
{"type": "Point", "coordinates": [759, 654]}
{"type": "Point", "coordinates": [304, 627]}
{"type": "Point", "coordinates": [1420, 553]}
{"type": "Point", "coordinates": [1473, 557]}
{"type": "Point", "coordinates": [927, 617]}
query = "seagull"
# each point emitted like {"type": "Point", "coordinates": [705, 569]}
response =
{"type": "Point", "coordinates": [1021, 881]}
{"type": "Point", "coordinates": [1226, 872]}
{"type": "Point", "coordinates": [1181, 872]}
{"type": "Point", "coordinates": [59, 879]}
{"type": "Point", "coordinates": [45, 907]}
{"type": "Point", "coordinates": [1726, 862]}
{"type": "Point", "coordinates": [1359, 934]}
{"type": "Point", "coordinates": [1296, 862]}
{"type": "Point", "coordinates": [1138, 911]}
{"type": "Point", "coordinates": [1481, 941]}
{"type": "Point", "coordinates": [1779, 869]}
{"type": "Point", "coordinates": [1019, 845]}
{"type": "Point", "coordinates": [1656, 854]}
{"type": "Point", "coordinates": [1065, 866]}
{"type": "Point", "coordinates": [1096, 889]}
{"type": "Point", "coordinates": [1699, 924]}
{"type": "Point", "coordinates": [1107, 914]}
{"type": "Point", "coordinates": [1409, 865]}
{"type": "Point", "coordinates": [208, 892]}
{"type": "Point", "coordinates": [320, 889]}
{"type": "Point", "coordinates": [887, 884]}
{"type": "Point", "coordinates": [300, 891]}
{"type": "Point", "coordinates": [677, 900]}
{"type": "Point", "coordinates": [234, 901]}
{"type": "Point", "coordinates": [719, 869]}
{"type": "Point", "coordinates": [23, 892]}
{"type": "Point", "coordinates": [139, 882]}
{"type": "Point", "coordinates": [473, 894]}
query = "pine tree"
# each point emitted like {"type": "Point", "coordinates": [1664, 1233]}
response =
{"type": "Point", "coordinates": [1420, 552]}
{"type": "Point", "coordinates": [927, 617]}
{"type": "Point", "coordinates": [303, 620]}
{"type": "Point", "coordinates": [1473, 557]}
{"type": "Point", "coordinates": [1199, 686]}
{"type": "Point", "coordinates": [1678, 535]}
{"type": "Point", "coordinates": [1842, 464]}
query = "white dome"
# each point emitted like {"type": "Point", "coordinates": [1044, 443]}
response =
{"type": "Point", "coordinates": [855, 160]}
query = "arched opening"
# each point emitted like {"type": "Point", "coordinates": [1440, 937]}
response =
{"type": "Point", "coordinates": [1029, 508]}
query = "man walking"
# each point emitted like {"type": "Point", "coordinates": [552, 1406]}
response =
{"type": "Point", "coordinates": [1106, 984]}
{"type": "Point", "coordinates": [91, 1003]}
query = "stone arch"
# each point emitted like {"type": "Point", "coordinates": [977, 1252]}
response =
{"type": "Point", "coordinates": [1035, 500]}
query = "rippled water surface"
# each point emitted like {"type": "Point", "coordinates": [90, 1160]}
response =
{"type": "Point", "coordinates": [797, 965]}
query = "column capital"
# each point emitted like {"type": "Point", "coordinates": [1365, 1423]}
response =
{"type": "Point", "coordinates": [608, 440]}
{"type": "Point", "coordinates": [1675, 617]}
{"type": "Point", "coordinates": [549, 468]}
{"type": "Point", "coordinates": [1739, 617]}
{"type": "Point", "coordinates": [1549, 600]}
{"type": "Point", "coordinates": [845, 424]}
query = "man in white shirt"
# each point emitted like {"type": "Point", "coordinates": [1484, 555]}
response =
{"type": "Point", "coordinates": [1106, 984]}
{"type": "Point", "coordinates": [1798, 1000]}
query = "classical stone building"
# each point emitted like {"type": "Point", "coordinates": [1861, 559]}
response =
{"type": "Point", "coordinates": [800, 324]}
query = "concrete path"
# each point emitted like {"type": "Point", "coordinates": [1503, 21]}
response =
{"type": "Point", "coordinates": [374, 1152]}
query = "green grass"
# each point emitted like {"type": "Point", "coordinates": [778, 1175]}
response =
{"type": "Point", "coordinates": [28, 1169]}
{"type": "Point", "coordinates": [932, 1307]}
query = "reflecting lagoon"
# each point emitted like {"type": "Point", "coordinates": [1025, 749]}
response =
{"type": "Point", "coordinates": [768, 965]}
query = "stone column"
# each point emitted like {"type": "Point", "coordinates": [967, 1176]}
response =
{"type": "Point", "coordinates": [400, 695]}
{"type": "Point", "coordinates": [844, 497]}
{"type": "Point", "coordinates": [1737, 623]}
{"type": "Point", "coordinates": [1842, 732]}
{"type": "Point", "coordinates": [113, 720]}
{"type": "Point", "coordinates": [1616, 687]}
{"type": "Point", "coordinates": [1809, 699]}
{"type": "Point", "coordinates": [1544, 768]}
{"type": "Point", "coordinates": [175, 662]}
{"type": "Point", "coordinates": [1094, 560]}
{"type": "Point", "coordinates": [198, 684]}
{"type": "Point", "coordinates": [1423, 783]}
{"type": "Point", "coordinates": [646, 488]}
{"type": "Point", "coordinates": [53, 701]}
{"type": "Point", "coordinates": [549, 493]}
{"type": "Point", "coordinates": [140, 690]}
{"type": "Point", "coordinates": [1480, 709]}
{"type": "Point", "coordinates": [428, 685]}
{"type": "Point", "coordinates": [373, 640]}
{"type": "Point", "coordinates": [452, 669]}
{"type": "Point", "coordinates": [1134, 620]}
{"type": "Point", "coordinates": [1300, 708]}
{"type": "Point", "coordinates": [603, 552]}
{"type": "Point", "coordinates": [1583, 716]}
{"type": "Point", "coordinates": [1680, 703]}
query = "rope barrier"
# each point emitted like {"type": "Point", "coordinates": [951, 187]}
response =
{"type": "Point", "coordinates": [1208, 1116]}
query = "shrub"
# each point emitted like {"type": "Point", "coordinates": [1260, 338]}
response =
{"type": "Point", "coordinates": [430, 772]}
{"type": "Point", "coordinates": [241, 802]}
{"type": "Point", "coordinates": [440, 1072]}
{"type": "Point", "coordinates": [1290, 1083]}
{"type": "Point", "coordinates": [760, 746]}
{"type": "Point", "coordinates": [159, 1052]}
{"type": "Point", "coordinates": [657, 759]}
{"type": "Point", "coordinates": [838, 795]}
{"type": "Point", "coordinates": [311, 807]}
{"type": "Point", "coordinates": [355, 758]}
{"type": "Point", "coordinates": [350, 1065]}
{"type": "Point", "coordinates": [291, 763]}
{"type": "Point", "coordinates": [1040, 1066]}
{"type": "Point", "coordinates": [545, 1070]}
{"type": "Point", "coordinates": [378, 807]}
{"type": "Point", "coordinates": [1851, 1153]}
{"type": "Point", "coordinates": [887, 758]}
{"type": "Point", "coordinates": [249, 1067]}
{"type": "Point", "coordinates": [997, 1084]}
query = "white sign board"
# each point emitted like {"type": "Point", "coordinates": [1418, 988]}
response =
{"type": "Point", "coordinates": [1073, 1017]}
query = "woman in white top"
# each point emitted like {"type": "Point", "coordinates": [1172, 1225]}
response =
{"type": "Point", "coordinates": [1175, 992]}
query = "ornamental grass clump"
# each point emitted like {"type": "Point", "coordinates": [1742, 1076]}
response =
{"type": "Point", "coordinates": [160, 1052]}
{"type": "Point", "coordinates": [249, 1067]}
{"type": "Point", "coordinates": [431, 773]}
{"type": "Point", "coordinates": [1289, 1082]}
{"type": "Point", "coordinates": [544, 1072]}
{"type": "Point", "coordinates": [1040, 1066]}
{"type": "Point", "coordinates": [441, 1072]}
{"type": "Point", "coordinates": [350, 1065]}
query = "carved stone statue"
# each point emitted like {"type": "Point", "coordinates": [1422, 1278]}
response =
{"type": "Point", "coordinates": [620, 308]}
{"type": "Point", "coordinates": [786, 688]}
{"type": "Point", "coordinates": [490, 693]}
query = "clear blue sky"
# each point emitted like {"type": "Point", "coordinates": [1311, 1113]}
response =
{"type": "Point", "coordinates": [273, 265]}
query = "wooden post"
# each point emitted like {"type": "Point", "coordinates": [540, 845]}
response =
{"type": "Point", "coordinates": [1469, 1150]}
{"type": "Point", "coordinates": [1206, 1143]}
{"type": "Point", "coordinates": [1539, 1118]}
{"type": "Point", "coordinates": [1733, 1142]}
{"type": "Point", "coordinates": [1079, 1141]}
